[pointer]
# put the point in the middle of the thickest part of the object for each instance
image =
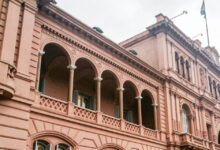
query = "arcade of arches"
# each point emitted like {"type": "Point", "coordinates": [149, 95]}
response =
{"type": "Point", "coordinates": [91, 92]}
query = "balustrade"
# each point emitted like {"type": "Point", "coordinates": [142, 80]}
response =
{"type": "Point", "coordinates": [59, 106]}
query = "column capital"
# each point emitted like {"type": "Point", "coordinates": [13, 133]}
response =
{"type": "Point", "coordinates": [120, 89]}
{"type": "Point", "coordinates": [98, 78]}
{"type": "Point", "coordinates": [71, 67]}
{"type": "Point", "coordinates": [138, 97]}
{"type": "Point", "coordinates": [41, 52]}
{"type": "Point", "coordinates": [155, 105]}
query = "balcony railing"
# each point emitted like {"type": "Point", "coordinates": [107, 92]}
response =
{"type": "Point", "coordinates": [62, 107]}
{"type": "Point", "coordinates": [53, 104]}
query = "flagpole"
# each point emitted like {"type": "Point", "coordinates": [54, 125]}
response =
{"type": "Point", "coordinates": [207, 30]}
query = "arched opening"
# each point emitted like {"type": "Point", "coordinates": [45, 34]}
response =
{"type": "Point", "coordinates": [219, 89]}
{"type": "Point", "coordinates": [41, 145]}
{"type": "Point", "coordinates": [218, 137]}
{"type": "Point", "coordinates": [215, 89]}
{"type": "Point", "coordinates": [177, 62]}
{"type": "Point", "coordinates": [147, 110]}
{"type": "Point", "coordinates": [182, 66]}
{"type": "Point", "coordinates": [187, 71]}
{"type": "Point", "coordinates": [130, 103]}
{"type": "Point", "coordinates": [186, 122]}
{"type": "Point", "coordinates": [62, 147]}
{"type": "Point", "coordinates": [84, 84]}
{"type": "Point", "coordinates": [210, 85]}
{"type": "Point", "coordinates": [109, 94]}
{"type": "Point", "coordinates": [54, 75]}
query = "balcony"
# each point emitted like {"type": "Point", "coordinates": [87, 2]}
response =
{"type": "Point", "coordinates": [189, 141]}
{"type": "Point", "coordinates": [89, 116]}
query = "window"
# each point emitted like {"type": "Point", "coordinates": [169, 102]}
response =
{"type": "Point", "coordinates": [209, 132]}
{"type": "Point", "coordinates": [182, 66]}
{"type": "Point", "coordinates": [186, 127]}
{"type": "Point", "coordinates": [41, 145]}
{"type": "Point", "coordinates": [210, 85]}
{"type": "Point", "coordinates": [83, 100]}
{"type": "Point", "coordinates": [219, 138]}
{"type": "Point", "coordinates": [128, 115]}
{"type": "Point", "coordinates": [62, 147]}
{"type": "Point", "coordinates": [219, 89]}
{"type": "Point", "coordinates": [185, 121]}
{"type": "Point", "coordinates": [187, 70]}
{"type": "Point", "coordinates": [177, 62]}
{"type": "Point", "coordinates": [215, 90]}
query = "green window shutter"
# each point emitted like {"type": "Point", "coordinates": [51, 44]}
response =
{"type": "Point", "coordinates": [69, 148]}
{"type": "Point", "coordinates": [91, 101]}
{"type": "Point", "coordinates": [117, 111]}
{"type": "Point", "coordinates": [42, 85]}
{"type": "Point", "coordinates": [75, 97]}
{"type": "Point", "coordinates": [130, 116]}
{"type": "Point", "coordinates": [185, 121]}
{"type": "Point", "coordinates": [48, 147]}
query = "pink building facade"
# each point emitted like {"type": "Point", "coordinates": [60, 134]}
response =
{"type": "Point", "coordinates": [64, 86]}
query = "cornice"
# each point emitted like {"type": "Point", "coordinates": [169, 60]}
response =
{"type": "Point", "coordinates": [169, 28]}
{"type": "Point", "coordinates": [71, 23]}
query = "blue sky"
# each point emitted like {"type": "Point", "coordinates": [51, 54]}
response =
{"type": "Point", "coordinates": [121, 19]}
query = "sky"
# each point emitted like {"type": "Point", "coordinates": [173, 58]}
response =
{"type": "Point", "coordinates": [122, 19]}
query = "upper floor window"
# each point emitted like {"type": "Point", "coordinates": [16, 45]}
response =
{"type": "Point", "coordinates": [215, 89]}
{"type": "Point", "coordinates": [219, 137]}
{"type": "Point", "coordinates": [182, 66]}
{"type": "Point", "coordinates": [186, 119]}
{"type": "Point", "coordinates": [210, 85]}
{"type": "Point", "coordinates": [177, 62]}
{"type": "Point", "coordinates": [187, 70]}
{"type": "Point", "coordinates": [219, 89]}
{"type": "Point", "coordinates": [62, 147]}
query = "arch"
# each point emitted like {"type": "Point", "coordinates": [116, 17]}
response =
{"type": "Point", "coordinates": [54, 75]}
{"type": "Point", "coordinates": [147, 109]}
{"type": "Point", "coordinates": [109, 94]}
{"type": "Point", "coordinates": [182, 66]}
{"type": "Point", "coordinates": [187, 70]}
{"type": "Point", "coordinates": [46, 136]}
{"type": "Point", "coordinates": [186, 119]}
{"type": "Point", "coordinates": [65, 48]}
{"type": "Point", "coordinates": [177, 62]}
{"type": "Point", "coordinates": [215, 89]}
{"type": "Point", "coordinates": [112, 146]}
{"type": "Point", "coordinates": [130, 102]}
{"type": "Point", "coordinates": [84, 91]}
{"type": "Point", "coordinates": [210, 84]}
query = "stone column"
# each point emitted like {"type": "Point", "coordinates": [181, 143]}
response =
{"type": "Point", "coordinates": [121, 108]}
{"type": "Point", "coordinates": [71, 83]}
{"type": "Point", "coordinates": [139, 110]}
{"type": "Point", "coordinates": [98, 93]}
{"type": "Point", "coordinates": [40, 55]}
{"type": "Point", "coordinates": [191, 118]}
{"type": "Point", "coordinates": [155, 116]}
{"type": "Point", "coordinates": [205, 136]}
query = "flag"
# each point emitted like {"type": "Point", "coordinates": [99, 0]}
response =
{"type": "Point", "coordinates": [202, 12]}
